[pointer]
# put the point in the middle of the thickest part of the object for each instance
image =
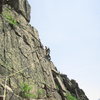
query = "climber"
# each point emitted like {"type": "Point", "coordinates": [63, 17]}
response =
{"type": "Point", "coordinates": [47, 50]}
{"type": "Point", "coordinates": [1, 4]}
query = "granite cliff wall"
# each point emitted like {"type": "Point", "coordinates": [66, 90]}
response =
{"type": "Point", "coordinates": [26, 69]}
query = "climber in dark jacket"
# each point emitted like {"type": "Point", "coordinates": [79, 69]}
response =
{"type": "Point", "coordinates": [47, 53]}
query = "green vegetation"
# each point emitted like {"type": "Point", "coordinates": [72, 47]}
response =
{"type": "Point", "coordinates": [7, 14]}
{"type": "Point", "coordinates": [26, 91]}
{"type": "Point", "coordinates": [70, 97]}
{"type": "Point", "coordinates": [10, 19]}
{"type": "Point", "coordinates": [57, 87]}
{"type": "Point", "coordinates": [40, 92]}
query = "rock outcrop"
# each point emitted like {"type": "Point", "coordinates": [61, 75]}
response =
{"type": "Point", "coordinates": [26, 70]}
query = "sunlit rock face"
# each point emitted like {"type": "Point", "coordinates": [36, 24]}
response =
{"type": "Point", "coordinates": [22, 7]}
{"type": "Point", "coordinates": [26, 69]}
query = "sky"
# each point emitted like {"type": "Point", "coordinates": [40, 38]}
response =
{"type": "Point", "coordinates": [71, 29]}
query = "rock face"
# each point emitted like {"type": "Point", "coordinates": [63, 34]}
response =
{"type": "Point", "coordinates": [22, 7]}
{"type": "Point", "coordinates": [26, 70]}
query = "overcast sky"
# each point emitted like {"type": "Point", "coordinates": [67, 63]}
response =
{"type": "Point", "coordinates": [71, 28]}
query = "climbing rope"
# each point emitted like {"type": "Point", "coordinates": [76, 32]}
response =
{"type": "Point", "coordinates": [4, 96]}
{"type": "Point", "coordinates": [7, 77]}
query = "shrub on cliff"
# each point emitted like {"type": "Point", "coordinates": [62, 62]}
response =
{"type": "Point", "coordinates": [26, 91]}
{"type": "Point", "coordinates": [70, 97]}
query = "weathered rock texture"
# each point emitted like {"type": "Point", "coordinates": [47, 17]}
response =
{"type": "Point", "coordinates": [24, 60]}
